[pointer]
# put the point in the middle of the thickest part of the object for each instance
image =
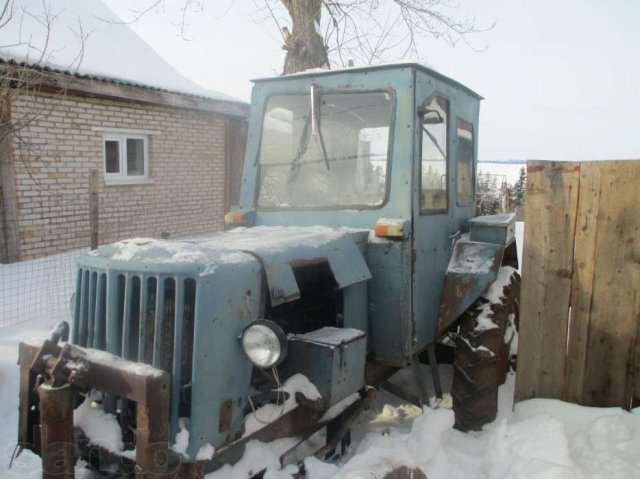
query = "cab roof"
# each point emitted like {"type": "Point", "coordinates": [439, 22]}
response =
{"type": "Point", "coordinates": [314, 72]}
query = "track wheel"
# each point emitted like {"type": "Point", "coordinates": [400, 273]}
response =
{"type": "Point", "coordinates": [482, 351]}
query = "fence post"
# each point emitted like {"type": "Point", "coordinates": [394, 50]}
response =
{"type": "Point", "coordinates": [93, 208]}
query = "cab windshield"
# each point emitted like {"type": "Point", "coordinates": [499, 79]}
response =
{"type": "Point", "coordinates": [338, 160]}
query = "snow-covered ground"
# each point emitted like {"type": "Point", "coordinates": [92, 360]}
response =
{"type": "Point", "coordinates": [539, 438]}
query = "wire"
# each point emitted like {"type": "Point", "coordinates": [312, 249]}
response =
{"type": "Point", "coordinates": [279, 391]}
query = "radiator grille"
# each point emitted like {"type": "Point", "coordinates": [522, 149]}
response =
{"type": "Point", "coordinates": [143, 318]}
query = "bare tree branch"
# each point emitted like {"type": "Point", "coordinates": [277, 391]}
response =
{"type": "Point", "coordinates": [23, 82]}
{"type": "Point", "coordinates": [365, 31]}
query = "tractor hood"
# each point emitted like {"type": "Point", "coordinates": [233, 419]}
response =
{"type": "Point", "coordinates": [279, 250]}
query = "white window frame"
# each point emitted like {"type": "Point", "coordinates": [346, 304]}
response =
{"type": "Point", "coordinates": [122, 177]}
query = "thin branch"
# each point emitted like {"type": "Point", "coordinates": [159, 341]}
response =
{"type": "Point", "coordinates": [275, 19]}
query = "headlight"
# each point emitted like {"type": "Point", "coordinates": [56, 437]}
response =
{"type": "Point", "coordinates": [264, 343]}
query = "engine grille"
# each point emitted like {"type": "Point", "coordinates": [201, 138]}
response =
{"type": "Point", "coordinates": [146, 318]}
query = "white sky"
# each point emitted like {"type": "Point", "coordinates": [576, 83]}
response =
{"type": "Point", "coordinates": [561, 79]}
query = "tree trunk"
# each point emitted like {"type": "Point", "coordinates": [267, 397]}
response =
{"type": "Point", "coordinates": [305, 46]}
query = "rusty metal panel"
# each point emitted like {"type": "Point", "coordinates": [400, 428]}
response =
{"type": "Point", "coordinates": [28, 417]}
{"type": "Point", "coordinates": [472, 268]}
{"type": "Point", "coordinates": [69, 366]}
{"type": "Point", "coordinates": [226, 410]}
{"type": "Point", "coordinates": [56, 431]}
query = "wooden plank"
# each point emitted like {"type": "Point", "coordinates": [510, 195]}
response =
{"type": "Point", "coordinates": [94, 217]}
{"type": "Point", "coordinates": [581, 288]}
{"type": "Point", "coordinates": [635, 374]}
{"type": "Point", "coordinates": [615, 301]}
{"type": "Point", "coordinates": [550, 215]}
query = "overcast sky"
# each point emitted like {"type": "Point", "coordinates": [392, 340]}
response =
{"type": "Point", "coordinates": [561, 79]}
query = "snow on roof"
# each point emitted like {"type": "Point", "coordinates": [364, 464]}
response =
{"type": "Point", "coordinates": [111, 51]}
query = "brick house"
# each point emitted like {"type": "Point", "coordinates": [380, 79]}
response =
{"type": "Point", "coordinates": [119, 157]}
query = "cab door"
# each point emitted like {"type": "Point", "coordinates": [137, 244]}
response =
{"type": "Point", "coordinates": [434, 220]}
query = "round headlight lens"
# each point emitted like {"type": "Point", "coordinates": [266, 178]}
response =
{"type": "Point", "coordinates": [264, 343]}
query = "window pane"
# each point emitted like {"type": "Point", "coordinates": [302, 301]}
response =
{"type": "Point", "coordinates": [135, 156]}
{"type": "Point", "coordinates": [464, 163]}
{"type": "Point", "coordinates": [112, 156]}
{"type": "Point", "coordinates": [295, 171]}
{"type": "Point", "coordinates": [433, 191]}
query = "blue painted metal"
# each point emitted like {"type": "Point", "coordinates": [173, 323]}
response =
{"type": "Point", "coordinates": [432, 242]}
{"type": "Point", "coordinates": [226, 303]}
{"type": "Point", "coordinates": [281, 249]}
{"type": "Point", "coordinates": [332, 359]}
{"type": "Point", "coordinates": [391, 288]}
{"type": "Point", "coordinates": [390, 313]}
{"type": "Point", "coordinates": [473, 267]}
{"type": "Point", "coordinates": [99, 328]}
{"type": "Point", "coordinates": [176, 381]}
{"type": "Point", "coordinates": [389, 301]}
{"type": "Point", "coordinates": [356, 304]}
{"type": "Point", "coordinates": [227, 285]}
{"type": "Point", "coordinates": [493, 228]}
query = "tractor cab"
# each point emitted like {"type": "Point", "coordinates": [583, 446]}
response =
{"type": "Point", "coordinates": [341, 148]}
{"type": "Point", "coordinates": [391, 149]}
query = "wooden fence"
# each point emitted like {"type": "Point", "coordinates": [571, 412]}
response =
{"type": "Point", "coordinates": [580, 301]}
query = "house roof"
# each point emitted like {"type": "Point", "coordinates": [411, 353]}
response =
{"type": "Point", "coordinates": [111, 51]}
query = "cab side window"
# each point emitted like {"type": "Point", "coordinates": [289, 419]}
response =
{"type": "Point", "coordinates": [434, 155]}
{"type": "Point", "coordinates": [464, 163]}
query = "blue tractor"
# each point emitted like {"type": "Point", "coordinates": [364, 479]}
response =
{"type": "Point", "coordinates": [355, 251]}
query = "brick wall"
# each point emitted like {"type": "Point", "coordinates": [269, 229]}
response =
{"type": "Point", "coordinates": [185, 194]}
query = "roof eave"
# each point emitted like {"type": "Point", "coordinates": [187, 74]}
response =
{"type": "Point", "coordinates": [91, 86]}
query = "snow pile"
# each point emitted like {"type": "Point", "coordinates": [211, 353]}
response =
{"type": "Point", "coordinates": [101, 428]}
{"type": "Point", "coordinates": [223, 247]}
{"type": "Point", "coordinates": [495, 292]}
{"type": "Point", "coordinates": [181, 446]}
{"type": "Point", "coordinates": [205, 453]}
{"type": "Point", "coordinates": [541, 438]}
{"type": "Point", "coordinates": [265, 239]}
{"type": "Point", "coordinates": [270, 412]}
{"type": "Point", "coordinates": [172, 252]}
{"type": "Point", "coordinates": [483, 320]}
{"type": "Point", "coordinates": [182, 438]}
{"type": "Point", "coordinates": [27, 465]}
{"type": "Point", "coordinates": [87, 38]}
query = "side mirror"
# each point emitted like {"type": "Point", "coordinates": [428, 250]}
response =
{"type": "Point", "coordinates": [430, 116]}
